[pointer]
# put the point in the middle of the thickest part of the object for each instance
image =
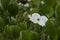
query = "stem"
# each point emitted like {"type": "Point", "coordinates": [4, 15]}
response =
{"type": "Point", "coordinates": [3, 35]}
{"type": "Point", "coordinates": [43, 35]}
{"type": "Point", "coordinates": [38, 5]}
{"type": "Point", "coordinates": [0, 36]}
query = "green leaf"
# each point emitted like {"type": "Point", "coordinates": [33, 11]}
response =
{"type": "Point", "coordinates": [23, 26]}
{"type": "Point", "coordinates": [13, 9]}
{"type": "Point", "coordinates": [0, 36]}
{"type": "Point", "coordinates": [26, 36]}
{"type": "Point", "coordinates": [50, 2]}
{"type": "Point", "coordinates": [58, 31]}
{"type": "Point", "coordinates": [2, 23]}
{"type": "Point", "coordinates": [58, 14]}
{"type": "Point", "coordinates": [46, 10]}
{"type": "Point", "coordinates": [5, 4]}
{"type": "Point", "coordinates": [50, 28]}
{"type": "Point", "coordinates": [35, 36]}
{"type": "Point", "coordinates": [1, 11]}
{"type": "Point", "coordinates": [29, 35]}
{"type": "Point", "coordinates": [12, 31]}
{"type": "Point", "coordinates": [37, 28]}
{"type": "Point", "coordinates": [34, 3]}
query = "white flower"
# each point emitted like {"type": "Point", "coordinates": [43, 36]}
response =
{"type": "Point", "coordinates": [29, 0]}
{"type": "Point", "coordinates": [13, 18]}
{"type": "Point", "coordinates": [36, 18]}
{"type": "Point", "coordinates": [20, 4]}
{"type": "Point", "coordinates": [31, 9]}
{"type": "Point", "coordinates": [25, 13]}
{"type": "Point", "coordinates": [26, 5]}
{"type": "Point", "coordinates": [42, 2]}
{"type": "Point", "coordinates": [43, 20]}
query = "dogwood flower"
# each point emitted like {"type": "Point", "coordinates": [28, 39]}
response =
{"type": "Point", "coordinates": [36, 18]}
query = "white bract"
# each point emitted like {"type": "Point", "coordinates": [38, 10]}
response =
{"type": "Point", "coordinates": [20, 4]}
{"type": "Point", "coordinates": [36, 18]}
{"type": "Point", "coordinates": [13, 18]}
{"type": "Point", "coordinates": [25, 13]}
{"type": "Point", "coordinates": [29, 0]}
{"type": "Point", "coordinates": [31, 9]}
{"type": "Point", "coordinates": [42, 2]}
{"type": "Point", "coordinates": [43, 20]}
{"type": "Point", "coordinates": [26, 5]}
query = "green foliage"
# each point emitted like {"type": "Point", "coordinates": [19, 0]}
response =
{"type": "Point", "coordinates": [58, 14]}
{"type": "Point", "coordinates": [0, 36]}
{"type": "Point", "coordinates": [34, 3]}
{"type": "Point", "coordinates": [29, 35]}
{"type": "Point", "coordinates": [19, 27]}
{"type": "Point", "coordinates": [58, 31]}
{"type": "Point", "coordinates": [50, 28]}
{"type": "Point", "coordinates": [37, 27]}
{"type": "Point", "coordinates": [46, 10]}
{"type": "Point", "coordinates": [5, 4]}
{"type": "Point", "coordinates": [50, 2]}
{"type": "Point", "coordinates": [2, 23]}
{"type": "Point", "coordinates": [23, 26]}
{"type": "Point", "coordinates": [13, 9]}
{"type": "Point", "coordinates": [12, 31]}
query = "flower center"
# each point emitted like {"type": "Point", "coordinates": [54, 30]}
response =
{"type": "Point", "coordinates": [38, 19]}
